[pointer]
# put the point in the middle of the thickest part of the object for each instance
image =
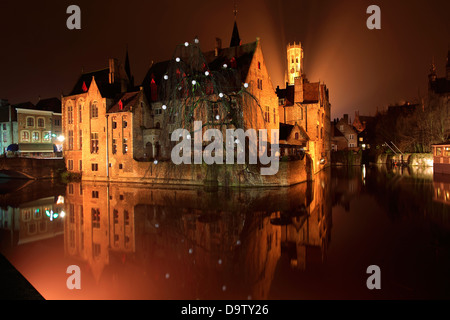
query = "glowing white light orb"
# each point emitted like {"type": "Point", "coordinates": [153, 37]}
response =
{"type": "Point", "coordinates": [221, 95]}
{"type": "Point", "coordinates": [206, 73]}
{"type": "Point", "coordinates": [166, 77]}
{"type": "Point", "coordinates": [225, 65]}
{"type": "Point", "coordinates": [196, 40]}
{"type": "Point", "coordinates": [177, 59]}
{"type": "Point", "coordinates": [61, 138]}
{"type": "Point", "coordinates": [186, 44]}
{"type": "Point", "coordinates": [246, 85]}
{"type": "Point", "coordinates": [217, 117]}
{"type": "Point", "coordinates": [155, 162]}
{"type": "Point", "coordinates": [164, 107]}
{"type": "Point", "coordinates": [194, 82]}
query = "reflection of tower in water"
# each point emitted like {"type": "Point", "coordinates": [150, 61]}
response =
{"type": "Point", "coordinates": [305, 237]}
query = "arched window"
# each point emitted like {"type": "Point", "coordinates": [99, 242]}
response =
{"type": "Point", "coordinates": [94, 110]}
{"type": "Point", "coordinates": [30, 122]}
{"type": "Point", "coordinates": [69, 114]}
{"type": "Point", "coordinates": [36, 136]}
{"type": "Point", "coordinates": [296, 136]}
{"type": "Point", "coordinates": [25, 136]}
{"type": "Point", "coordinates": [41, 122]}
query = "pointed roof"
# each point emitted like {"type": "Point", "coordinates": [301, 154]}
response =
{"type": "Point", "coordinates": [107, 90]}
{"type": "Point", "coordinates": [128, 100]}
{"type": "Point", "coordinates": [50, 104]}
{"type": "Point", "coordinates": [235, 38]}
{"type": "Point", "coordinates": [286, 131]}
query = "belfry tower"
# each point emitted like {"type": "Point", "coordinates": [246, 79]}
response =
{"type": "Point", "coordinates": [294, 62]}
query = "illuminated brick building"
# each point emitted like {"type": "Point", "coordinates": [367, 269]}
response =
{"type": "Point", "coordinates": [307, 105]}
{"type": "Point", "coordinates": [113, 130]}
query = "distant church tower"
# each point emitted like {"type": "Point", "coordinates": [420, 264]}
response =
{"type": "Point", "coordinates": [294, 62]}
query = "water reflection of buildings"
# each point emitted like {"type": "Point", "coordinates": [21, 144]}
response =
{"type": "Point", "coordinates": [225, 244]}
{"type": "Point", "coordinates": [32, 221]}
{"type": "Point", "coordinates": [347, 183]}
{"type": "Point", "coordinates": [442, 189]}
{"type": "Point", "coordinates": [306, 238]}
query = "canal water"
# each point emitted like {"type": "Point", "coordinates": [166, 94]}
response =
{"type": "Point", "coordinates": [311, 241]}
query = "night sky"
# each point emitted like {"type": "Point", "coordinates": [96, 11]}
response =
{"type": "Point", "coordinates": [364, 69]}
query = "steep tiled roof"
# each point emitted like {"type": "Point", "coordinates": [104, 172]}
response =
{"type": "Point", "coordinates": [238, 59]}
{"type": "Point", "coordinates": [128, 100]}
{"type": "Point", "coordinates": [50, 104]}
{"type": "Point", "coordinates": [310, 92]}
{"type": "Point", "coordinates": [286, 130]}
{"type": "Point", "coordinates": [288, 94]}
{"type": "Point", "coordinates": [107, 90]}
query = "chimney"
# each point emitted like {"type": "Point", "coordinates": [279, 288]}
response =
{"type": "Point", "coordinates": [112, 71]}
{"type": "Point", "coordinates": [218, 46]}
{"type": "Point", "coordinates": [346, 118]}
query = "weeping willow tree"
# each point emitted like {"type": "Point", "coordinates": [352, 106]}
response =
{"type": "Point", "coordinates": [194, 90]}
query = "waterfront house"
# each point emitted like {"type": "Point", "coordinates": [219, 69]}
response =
{"type": "Point", "coordinates": [441, 153]}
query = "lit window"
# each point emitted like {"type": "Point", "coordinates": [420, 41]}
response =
{"type": "Point", "coordinates": [36, 136]}
{"type": "Point", "coordinates": [94, 142]}
{"type": "Point", "coordinates": [25, 136]}
{"type": "Point", "coordinates": [114, 146]}
{"type": "Point", "coordinates": [47, 136]}
{"type": "Point", "coordinates": [125, 146]}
